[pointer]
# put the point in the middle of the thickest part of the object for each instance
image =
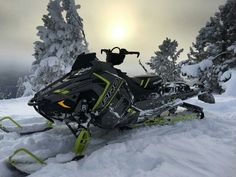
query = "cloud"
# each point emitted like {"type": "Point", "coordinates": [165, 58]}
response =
{"type": "Point", "coordinates": [152, 20]}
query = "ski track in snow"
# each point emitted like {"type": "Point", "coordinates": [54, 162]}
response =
{"type": "Point", "coordinates": [198, 148]}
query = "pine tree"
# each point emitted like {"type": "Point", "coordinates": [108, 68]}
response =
{"type": "Point", "coordinates": [215, 41]}
{"type": "Point", "coordinates": [164, 63]}
{"type": "Point", "coordinates": [209, 40]}
{"type": "Point", "coordinates": [62, 39]}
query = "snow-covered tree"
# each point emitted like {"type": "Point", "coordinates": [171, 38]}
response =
{"type": "Point", "coordinates": [62, 39]}
{"type": "Point", "coordinates": [164, 63]}
{"type": "Point", "coordinates": [209, 40]}
{"type": "Point", "coordinates": [216, 41]}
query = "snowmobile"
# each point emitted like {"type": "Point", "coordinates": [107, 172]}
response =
{"type": "Point", "coordinates": [95, 93]}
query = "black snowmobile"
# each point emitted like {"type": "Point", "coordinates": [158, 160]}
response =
{"type": "Point", "coordinates": [95, 93]}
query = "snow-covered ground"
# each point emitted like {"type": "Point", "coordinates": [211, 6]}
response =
{"type": "Point", "coordinates": [199, 148]}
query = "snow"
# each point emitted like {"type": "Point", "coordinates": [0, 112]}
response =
{"type": "Point", "coordinates": [49, 61]}
{"type": "Point", "coordinates": [232, 48]}
{"type": "Point", "coordinates": [17, 108]}
{"type": "Point", "coordinates": [199, 148]}
{"type": "Point", "coordinates": [225, 76]}
{"type": "Point", "coordinates": [231, 84]}
{"type": "Point", "coordinates": [194, 69]}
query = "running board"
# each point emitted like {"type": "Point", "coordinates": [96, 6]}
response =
{"type": "Point", "coordinates": [157, 118]}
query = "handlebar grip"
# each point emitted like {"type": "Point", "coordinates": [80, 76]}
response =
{"type": "Point", "coordinates": [134, 53]}
{"type": "Point", "coordinates": [105, 50]}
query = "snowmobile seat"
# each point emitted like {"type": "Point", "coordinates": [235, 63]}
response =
{"type": "Point", "coordinates": [83, 61]}
{"type": "Point", "coordinates": [148, 81]}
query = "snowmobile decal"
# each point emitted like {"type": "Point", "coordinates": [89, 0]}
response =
{"type": "Point", "coordinates": [141, 82]}
{"type": "Point", "coordinates": [103, 93]}
{"type": "Point", "coordinates": [62, 91]}
{"type": "Point", "coordinates": [147, 83]}
{"type": "Point", "coordinates": [82, 71]}
{"type": "Point", "coordinates": [111, 93]}
{"type": "Point", "coordinates": [62, 104]}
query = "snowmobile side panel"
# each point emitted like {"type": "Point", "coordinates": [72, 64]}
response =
{"type": "Point", "coordinates": [114, 101]}
{"type": "Point", "coordinates": [104, 92]}
{"type": "Point", "coordinates": [148, 82]}
{"type": "Point", "coordinates": [159, 100]}
{"type": "Point", "coordinates": [114, 94]}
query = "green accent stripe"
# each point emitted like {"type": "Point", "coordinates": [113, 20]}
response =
{"type": "Point", "coordinates": [113, 95]}
{"type": "Point", "coordinates": [184, 117]}
{"type": "Point", "coordinates": [34, 157]}
{"type": "Point", "coordinates": [13, 121]}
{"type": "Point", "coordinates": [61, 91]}
{"type": "Point", "coordinates": [147, 83]}
{"type": "Point", "coordinates": [103, 93]}
{"type": "Point", "coordinates": [141, 82]}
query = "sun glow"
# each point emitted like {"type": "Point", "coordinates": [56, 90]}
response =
{"type": "Point", "coordinates": [120, 23]}
{"type": "Point", "coordinates": [118, 32]}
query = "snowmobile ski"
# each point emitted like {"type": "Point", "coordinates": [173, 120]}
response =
{"type": "Point", "coordinates": [24, 129]}
{"type": "Point", "coordinates": [28, 162]}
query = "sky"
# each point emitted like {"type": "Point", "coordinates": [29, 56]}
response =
{"type": "Point", "coordinates": [139, 25]}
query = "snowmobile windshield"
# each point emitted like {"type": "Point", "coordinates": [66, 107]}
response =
{"type": "Point", "coordinates": [83, 61]}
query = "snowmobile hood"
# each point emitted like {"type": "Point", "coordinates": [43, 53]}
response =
{"type": "Point", "coordinates": [82, 65]}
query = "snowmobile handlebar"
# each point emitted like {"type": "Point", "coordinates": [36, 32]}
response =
{"type": "Point", "coordinates": [122, 51]}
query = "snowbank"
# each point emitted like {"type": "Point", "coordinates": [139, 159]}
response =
{"type": "Point", "coordinates": [194, 69]}
{"type": "Point", "coordinates": [230, 86]}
